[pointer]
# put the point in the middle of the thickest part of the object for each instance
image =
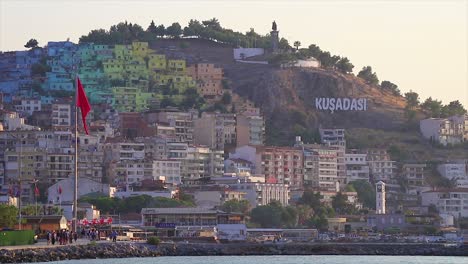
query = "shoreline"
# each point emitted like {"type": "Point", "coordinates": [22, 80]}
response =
{"type": "Point", "coordinates": [127, 250]}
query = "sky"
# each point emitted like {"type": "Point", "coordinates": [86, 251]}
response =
{"type": "Point", "coordinates": [419, 45]}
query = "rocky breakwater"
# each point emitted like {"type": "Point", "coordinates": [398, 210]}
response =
{"type": "Point", "coordinates": [126, 250]}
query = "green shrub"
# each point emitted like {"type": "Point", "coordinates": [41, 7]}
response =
{"type": "Point", "coordinates": [153, 240]}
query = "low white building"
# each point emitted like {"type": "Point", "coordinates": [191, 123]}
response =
{"type": "Point", "coordinates": [453, 202]}
{"type": "Point", "coordinates": [62, 191]}
{"type": "Point", "coordinates": [214, 198]}
{"type": "Point", "coordinates": [243, 53]}
{"type": "Point", "coordinates": [165, 193]}
{"type": "Point", "coordinates": [453, 170]}
{"type": "Point", "coordinates": [231, 232]}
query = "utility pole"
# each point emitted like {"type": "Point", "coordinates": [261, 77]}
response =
{"type": "Point", "coordinates": [19, 180]}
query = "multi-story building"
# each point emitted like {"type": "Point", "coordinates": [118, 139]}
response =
{"type": "Point", "coordinates": [183, 123]}
{"type": "Point", "coordinates": [170, 170]}
{"type": "Point", "coordinates": [62, 114]}
{"type": "Point", "coordinates": [333, 136]}
{"type": "Point", "coordinates": [25, 164]}
{"type": "Point", "coordinates": [60, 166]}
{"type": "Point", "coordinates": [208, 77]}
{"type": "Point", "coordinates": [250, 129]}
{"type": "Point", "coordinates": [118, 150]}
{"type": "Point", "coordinates": [415, 174]}
{"type": "Point", "coordinates": [356, 166]}
{"type": "Point", "coordinates": [90, 158]}
{"type": "Point", "coordinates": [259, 194]}
{"type": "Point", "coordinates": [381, 167]}
{"type": "Point", "coordinates": [201, 162]}
{"type": "Point", "coordinates": [283, 165]}
{"type": "Point", "coordinates": [215, 130]}
{"type": "Point", "coordinates": [451, 130]}
{"type": "Point", "coordinates": [320, 167]}
{"type": "Point", "coordinates": [28, 105]}
{"type": "Point", "coordinates": [453, 202]}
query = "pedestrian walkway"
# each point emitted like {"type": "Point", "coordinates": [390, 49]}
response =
{"type": "Point", "coordinates": [42, 243]}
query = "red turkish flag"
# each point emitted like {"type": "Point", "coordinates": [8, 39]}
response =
{"type": "Point", "coordinates": [82, 102]}
{"type": "Point", "coordinates": [36, 191]}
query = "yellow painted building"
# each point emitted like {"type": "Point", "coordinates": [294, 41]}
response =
{"type": "Point", "coordinates": [140, 49]}
{"type": "Point", "coordinates": [177, 66]}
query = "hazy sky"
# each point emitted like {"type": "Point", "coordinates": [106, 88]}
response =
{"type": "Point", "coordinates": [419, 45]}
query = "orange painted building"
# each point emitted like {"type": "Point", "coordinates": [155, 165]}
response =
{"type": "Point", "coordinates": [209, 78]}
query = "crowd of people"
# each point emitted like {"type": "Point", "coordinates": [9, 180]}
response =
{"type": "Point", "coordinates": [62, 237]}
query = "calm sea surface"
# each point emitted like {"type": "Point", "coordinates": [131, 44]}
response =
{"type": "Point", "coordinates": [276, 260]}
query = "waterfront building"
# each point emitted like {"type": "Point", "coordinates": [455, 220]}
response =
{"type": "Point", "coordinates": [448, 201]}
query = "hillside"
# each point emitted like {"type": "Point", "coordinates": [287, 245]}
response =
{"type": "Point", "coordinates": [287, 99]}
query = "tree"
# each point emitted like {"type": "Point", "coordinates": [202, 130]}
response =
{"type": "Point", "coordinates": [453, 108]}
{"type": "Point", "coordinates": [226, 99]}
{"type": "Point", "coordinates": [8, 215]}
{"type": "Point", "coordinates": [160, 31]}
{"type": "Point", "coordinates": [297, 44]}
{"type": "Point", "coordinates": [242, 206]}
{"type": "Point", "coordinates": [433, 107]}
{"type": "Point", "coordinates": [311, 198]}
{"type": "Point", "coordinates": [274, 215]}
{"type": "Point", "coordinates": [194, 28]}
{"type": "Point", "coordinates": [325, 59]}
{"type": "Point", "coordinates": [340, 202]}
{"type": "Point", "coordinates": [390, 86]}
{"type": "Point", "coordinates": [366, 193]}
{"type": "Point", "coordinates": [152, 27]}
{"type": "Point", "coordinates": [304, 213]}
{"type": "Point", "coordinates": [212, 24]}
{"type": "Point", "coordinates": [412, 99]}
{"type": "Point", "coordinates": [315, 51]}
{"type": "Point", "coordinates": [344, 65]}
{"type": "Point", "coordinates": [284, 44]}
{"type": "Point", "coordinates": [174, 30]}
{"type": "Point", "coordinates": [368, 76]}
{"type": "Point", "coordinates": [32, 43]}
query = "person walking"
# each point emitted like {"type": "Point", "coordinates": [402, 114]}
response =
{"type": "Point", "coordinates": [49, 237]}
{"type": "Point", "coordinates": [75, 236]}
{"type": "Point", "coordinates": [54, 237]}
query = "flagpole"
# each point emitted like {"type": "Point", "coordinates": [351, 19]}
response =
{"type": "Point", "coordinates": [75, 198]}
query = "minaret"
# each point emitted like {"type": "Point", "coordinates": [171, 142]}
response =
{"type": "Point", "coordinates": [380, 197]}
{"type": "Point", "coordinates": [274, 37]}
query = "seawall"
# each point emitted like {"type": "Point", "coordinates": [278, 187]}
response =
{"type": "Point", "coordinates": [125, 250]}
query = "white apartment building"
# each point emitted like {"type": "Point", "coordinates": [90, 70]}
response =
{"type": "Point", "coordinates": [125, 150]}
{"type": "Point", "coordinates": [259, 194]}
{"type": "Point", "coordinates": [356, 167]}
{"type": "Point", "coordinates": [28, 105]}
{"type": "Point", "coordinates": [453, 170]}
{"type": "Point", "coordinates": [381, 167]}
{"type": "Point", "coordinates": [13, 122]}
{"type": "Point", "coordinates": [321, 167]}
{"type": "Point", "coordinates": [61, 115]}
{"type": "Point", "coordinates": [169, 170]}
{"type": "Point", "coordinates": [333, 136]}
{"type": "Point", "coordinates": [453, 202]}
{"type": "Point", "coordinates": [202, 162]}
{"type": "Point", "coordinates": [451, 130]}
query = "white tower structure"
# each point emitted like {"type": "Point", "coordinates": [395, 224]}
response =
{"type": "Point", "coordinates": [380, 197]}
